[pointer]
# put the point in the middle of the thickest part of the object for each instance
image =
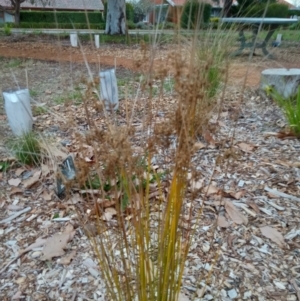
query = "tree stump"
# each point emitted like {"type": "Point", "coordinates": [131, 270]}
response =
{"type": "Point", "coordinates": [284, 81]}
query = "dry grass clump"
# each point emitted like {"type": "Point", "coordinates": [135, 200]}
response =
{"type": "Point", "coordinates": [138, 182]}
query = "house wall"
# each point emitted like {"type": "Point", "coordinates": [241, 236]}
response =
{"type": "Point", "coordinates": [6, 17]}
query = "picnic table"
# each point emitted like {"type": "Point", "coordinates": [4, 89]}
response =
{"type": "Point", "coordinates": [255, 23]}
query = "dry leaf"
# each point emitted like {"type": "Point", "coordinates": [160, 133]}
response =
{"type": "Point", "coordinates": [19, 171]}
{"type": "Point", "coordinates": [198, 145]}
{"type": "Point", "coordinates": [68, 258]}
{"type": "Point", "coordinates": [235, 214]}
{"type": "Point", "coordinates": [238, 195]}
{"type": "Point", "coordinates": [208, 138]}
{"type": "Point", "coordinates": [246, 147]}
{"type": "Point", "coordinates": [38, 243]}
{"type": "Point", "coordinates": [15, 190]}
{"type": "Point", "coordinates": [14, 182]}
{"type": "Point", "coordinates": [273, 234]}
{"type": "Point", "coordinates": [56, 244]}
{"type": "Point", "coordinates": [196, 185]}
{"type": "Point", "coordinates": [32, 180]}
{"type": "Point", "coordinates": [211, 189]}
{"type": "Point", "coordinates": [111, 210]}
{"type": "Point", "coordinates": [222, 222]}
{"type": "Point", "coordinates": [46, 196]}
{"type": "Point", "coordinates": [109, 213]}
{"type": "Point", "coordinates": [253, 206]}
{"type": "Point", "coordinates": [45, 170]}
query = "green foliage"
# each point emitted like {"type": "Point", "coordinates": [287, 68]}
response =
{"type": "Point", "coordinates": [214, 20]}
{"type": "Point", "coordinates": [142, 25]}
{"type": "Point", "coordinates": [7, 29]}
{"type": "Point", "coordinates": [294, 12]}
{"type": "Point", "coordinates": [27, 149]}
{"type": "Point", "coordinates": [166, 25]}
{"type": "Point", "coordinates": [291, 109]}
{"type": "Point", "coordinates": [62, 25]}
{"type": "Point", "coordinates": [4, 166]}
{"type": "Point", "coordinates": [130, 24]}
{"type": "Point", "coordinates": [295, 26]}
{"type": "Point", "coordinates": [195, 13]}
{"type": "Point", "coordinates": [61, 17]}
{"type": "Point", "coordinates": [256, 8]}
{"type": "Point", "coordinates": [214, 78]}
{"type": "Point", "coordinates": [275, 10]}
{"type": "Point", "coordinates": [129, 12]}
{"type": "Point", "coordinates": [39, 110]}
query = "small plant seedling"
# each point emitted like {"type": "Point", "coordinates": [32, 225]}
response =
{"type": "Point", "coordinates": [14, 63]}
{"type": "Point", "coordinates": [4, 166]}
{"type": "Point", "coordinates": [56, 215]}
{"type": "Point", "coordinates": [38, 111]}
{"type": "Point", "coordinates": [27, 149]}
{"type": "Point", "coordinates": [291, 109]}
{"type": "Point", "coordinates": [7, 29]}
{"type": "Point", "coordinates": [33, 93]}
{"type": "Point", "coordinates": [74, 96]}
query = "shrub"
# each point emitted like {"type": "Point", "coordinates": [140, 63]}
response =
{"type": "Point", "coordinates": [130, 24]}
{"type": "Point", "coordinates": [191, 11]}
{"type": "Point", "coordinates": [294, 12]}
{"type": "Point", "coordinates": [275, 10]}
{"type": "Point", "coordinates": [129, 12]}
{"type": "Point", "coordinates": [250, 8]}
{"type": "Point", "coordinates": [166, 25]}
{"type": "Point", "coordinates": [62, 25]}
{"type": "Point", "coordinates": [142, 25]}
{"type": "Point", "coordinates": [214, 20]}
{"type": "Point", "coordinates": [291, 109]}
{"type": "Point", "coordinates": [7, 29]}
{"type": "Point", "coordinates": [27, 149]}
{"type": "Point", "coordinates": [60, 17]}
{"type": "Point", "coordinates": [295, 26]}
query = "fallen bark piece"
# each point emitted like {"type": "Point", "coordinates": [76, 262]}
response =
{"type": "Point", "coordinates": [281, 194]}
{"type": "Point", "coordinates": [56, 244]}
{"type": "Point", "coordinates": [273, 234]}
{"type": "Point", "coordinates": [15, 215]}
{"type": "Point", "coordinates": [235, 214]}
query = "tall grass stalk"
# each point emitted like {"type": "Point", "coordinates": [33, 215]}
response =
{"type": "Point", "coordinates": [143, 246]}
{"type": "Point", "coordinates": [291, 109]}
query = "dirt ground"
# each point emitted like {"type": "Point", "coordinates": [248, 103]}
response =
{"type": "Point", "coordinates": [52, 49]}
{"type": "Point", "coordinates": [255, 262]}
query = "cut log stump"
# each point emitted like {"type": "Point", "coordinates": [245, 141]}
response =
{"type": "Point", "coordinates": [283, 81]}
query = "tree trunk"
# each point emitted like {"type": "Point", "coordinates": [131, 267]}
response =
{"type": "Point", "coordinates": [16, 4]}
{"type": "Point", "coordinates": [115, 19]}
{"type": "Point", "coordinates": [226, 8]}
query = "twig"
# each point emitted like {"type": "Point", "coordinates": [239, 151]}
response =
{"type": "Point", "coordinates": [13, 216]}
{"type": "Point", "coordinates": [293, 282]}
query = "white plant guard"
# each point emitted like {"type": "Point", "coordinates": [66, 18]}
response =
{"type": "Point", "coordinates": [109, 89]}
{"type": "Point", "coordinates": [18, 110]}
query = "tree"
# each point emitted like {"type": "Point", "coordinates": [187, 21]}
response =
{"type": "Point", "coordinates": [16, 4]}
{"type": "Point", "coordinates": [116, 17]}
{"type": "Point", "coordinates": [227, 8]}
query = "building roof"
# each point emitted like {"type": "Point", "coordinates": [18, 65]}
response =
{"type": "Point", "coordinates": [59, 4]}
{"type": "Point", "coordinates": [219, 3]}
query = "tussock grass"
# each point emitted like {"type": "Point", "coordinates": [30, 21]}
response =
{"type": "Point", "coordinates": [142, 244]}
{"type": "Point", "coordinates": [27, 149]}
{"type": "Point", "coordinates": [291, 109]}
